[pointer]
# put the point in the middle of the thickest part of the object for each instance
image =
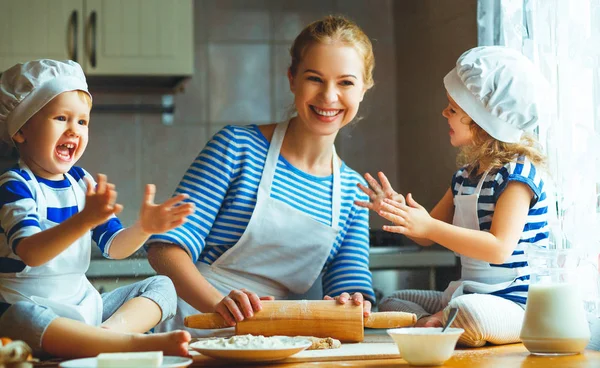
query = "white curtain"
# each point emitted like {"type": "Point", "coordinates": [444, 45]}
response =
{"type": "Point", "coordinates": [563, 39]}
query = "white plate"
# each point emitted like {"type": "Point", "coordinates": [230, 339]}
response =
{"type": "Point", "coordinates": [168, 362]}
{"type": "Point", "coordinates": [253, 355]}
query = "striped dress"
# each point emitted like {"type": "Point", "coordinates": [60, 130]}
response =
{"type": "Point", "coordinates": [535, 232]}
{"type": "Point", "coordinates": [223, 182]}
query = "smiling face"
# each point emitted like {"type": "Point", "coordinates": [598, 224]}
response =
{"type": "Point", "coordinates": [54, 139]}
{"type": "Point", "coordinates": [460, 124]}
{"type": "Point", "coordinates": [328, 87]}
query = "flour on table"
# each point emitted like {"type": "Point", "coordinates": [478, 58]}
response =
{"type": "Point", "coordinates": [251, 342]}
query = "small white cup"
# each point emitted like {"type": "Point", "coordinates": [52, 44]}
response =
{"type": "Point", "coordinates": [424, 345]}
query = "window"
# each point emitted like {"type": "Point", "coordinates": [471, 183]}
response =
{"type": "Point", "coordinates": [561, 37]}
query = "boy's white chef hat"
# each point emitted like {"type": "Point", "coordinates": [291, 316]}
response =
{"type": "Point", "coordinates": [500, 89]}
{"type": "Point", "coordinates": [27, 87]}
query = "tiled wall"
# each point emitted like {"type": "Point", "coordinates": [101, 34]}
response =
{"type": "Point", "coordinates": [430, 36]}
{"type": "Point", "coordinates": [241, 59]}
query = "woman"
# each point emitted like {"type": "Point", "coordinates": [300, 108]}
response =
{"type": "Point", "coordinates": [274, 203]}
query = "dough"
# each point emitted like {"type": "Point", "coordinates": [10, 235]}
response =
{"type": "Point", "coordinates": [320, 343]}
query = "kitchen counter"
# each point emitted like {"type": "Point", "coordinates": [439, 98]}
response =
{"type": "Point", "coordinates": [388, 257]}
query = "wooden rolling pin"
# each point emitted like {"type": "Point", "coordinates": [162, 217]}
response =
{"type": "Point", "coordinates": [320, 318]}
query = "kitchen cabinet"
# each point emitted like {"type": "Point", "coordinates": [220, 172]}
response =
{"type": "Point", "coordinates": [107, 37]}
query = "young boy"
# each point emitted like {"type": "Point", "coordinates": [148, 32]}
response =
{"type": "Point", "coordinates": [50, 210]}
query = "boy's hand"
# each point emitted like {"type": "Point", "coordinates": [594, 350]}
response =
{"type": "Point", "coordinates": [100, 202]}
{"type": "Point", "coordinates": [158, 218]}
{"type": "Point", "coordinates": [377, 193]}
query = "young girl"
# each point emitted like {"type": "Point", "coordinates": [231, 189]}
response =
{"type": "Point", "coordinates": [274, 203]}
{"type": "Point", "coordinates": [496, 206]}
{"type": "Point", "coordinates": [51, 210]}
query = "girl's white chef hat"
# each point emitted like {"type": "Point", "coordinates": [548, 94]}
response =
{"type": "Point", "coordinates": [500, 89]}
{"type": "Point", "coordinates": [27, 87]}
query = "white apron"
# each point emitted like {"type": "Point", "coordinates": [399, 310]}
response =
{"type": "Point", "coordinates": [476, 276]}
{"type": "Point", "coordinates": [282, 250]}
{"type": "Point", "coordinates": [59, 284]}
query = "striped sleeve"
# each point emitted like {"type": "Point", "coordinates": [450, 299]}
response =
{"type": "Point", "coordinates": [206, 182]}
{"type": "Point", "coordinates": [18, 210]}
{"type": "Point", "coordinates": [349, 271]}
{"type": "Point", "coordinates": [102, 234]}
{"type": "Point", "coordinates": [522, 171]}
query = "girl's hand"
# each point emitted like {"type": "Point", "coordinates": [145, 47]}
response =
{"type": "Point", "coordinates": [356, 299]}
{"type": "Point", "coordinates": [239, 304]}
{"type": "Point", "coordinates": [377, 193]}
{"type": "Point", "coordinates": [410, 219]}
{"type": "Point", "coordinates": [100, 202]}
{"type": "Point", "coordinates": [158, 218]}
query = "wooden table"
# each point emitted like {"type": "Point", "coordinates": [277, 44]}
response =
{"type": "Point", "coordinates": [504, 356]}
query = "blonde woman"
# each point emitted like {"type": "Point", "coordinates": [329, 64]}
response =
{"type": "Point", "coordinates": [274, 204]}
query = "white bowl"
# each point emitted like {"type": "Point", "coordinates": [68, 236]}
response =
{"type": "Point", "coordinates": [425, 345]}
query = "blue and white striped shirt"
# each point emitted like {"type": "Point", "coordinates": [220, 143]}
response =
{"type": "Point", "coordinates": [535, 231]}
{"type": "Point", "coordinates": [223, 183]}
{"type": "Point", "coordinates": [19, 217]}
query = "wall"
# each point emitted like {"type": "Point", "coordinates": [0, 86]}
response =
{"type": "Point", "coordinates": [241, 59]}
{"type": "Point", "coordinates": [430, 36]}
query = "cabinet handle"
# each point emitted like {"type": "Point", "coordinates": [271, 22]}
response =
{"type": "Point", "coordinates": [93, 25]}
{"type": "Point", "coordinates": [73, 29]}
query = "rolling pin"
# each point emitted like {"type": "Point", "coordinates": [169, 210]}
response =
{"type": "Point", "coordinates": [320, 318]}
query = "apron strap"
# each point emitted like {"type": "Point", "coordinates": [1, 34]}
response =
{"type": "Point", "coordinates": [268, 173]}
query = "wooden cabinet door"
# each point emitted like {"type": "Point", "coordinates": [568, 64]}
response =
{"type": "Point", "coordinates": [37, 29]}
{"type": "Point", "coordinates": [139, 37]}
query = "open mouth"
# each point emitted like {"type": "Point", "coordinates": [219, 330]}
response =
{"type": "Point", "coordinates": [328, 113]}
{"type": "Point", "coordinates": [65, 151]}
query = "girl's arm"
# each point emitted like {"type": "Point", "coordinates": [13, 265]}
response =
{"type": "Point", "coordinates": [495, 246]}
{"type": "Point", "coordinates": [377, 193]}
{"type": "Point", "coordinates": [443, 211]}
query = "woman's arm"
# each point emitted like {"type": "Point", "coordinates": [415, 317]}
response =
{"type": "Point", "coordinates": [172, 261]}
{"type": "Point", "coordinates": [191, 286]}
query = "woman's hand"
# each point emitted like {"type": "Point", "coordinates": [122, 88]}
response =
{"type": "Point", "coordinates": [410, 219]}
{"type": "Point", "coordinates": [158, 218]}
{"type": "Point", "coordinates": [239, 304]}
{"type": "Point", "coordinates": [378, 192]}
{"type": "Point", "coordinates": [356, 299]}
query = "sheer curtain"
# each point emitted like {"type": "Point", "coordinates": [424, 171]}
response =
{"type": "Point", "coordinates": [563, 39]}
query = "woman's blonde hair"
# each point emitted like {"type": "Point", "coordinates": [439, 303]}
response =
{"type": "Point", "coordinates": [333, 29]}
{"type": "Point", "coordinates": [488, 152]}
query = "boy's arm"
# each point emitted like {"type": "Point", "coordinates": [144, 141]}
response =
{"type": "Point", "coordinates": [37, 249]}
{"type": "Point", "coordinates": [154, 219]}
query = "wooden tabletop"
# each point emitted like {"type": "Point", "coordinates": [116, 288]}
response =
{"type": "Point", "coordinates": [514, 355]}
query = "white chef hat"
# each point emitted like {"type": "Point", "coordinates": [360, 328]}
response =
{"type": "Point", "coordinates": [500, 89]}
{"type": "Point", "coordinates": [27, 87]}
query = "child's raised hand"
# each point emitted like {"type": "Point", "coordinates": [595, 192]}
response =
{"type": "Point", "coordinates": [100, 202]}
{"type": "Point", "coordinates": [377, 193]}
{"type": "Point", "coordinates": [409, 218]}
{"type": "Point", "coordinates": [158, 218]}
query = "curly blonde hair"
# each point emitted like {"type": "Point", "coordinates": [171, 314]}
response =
{"type": "Point", "coordinates": [486, 151]}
